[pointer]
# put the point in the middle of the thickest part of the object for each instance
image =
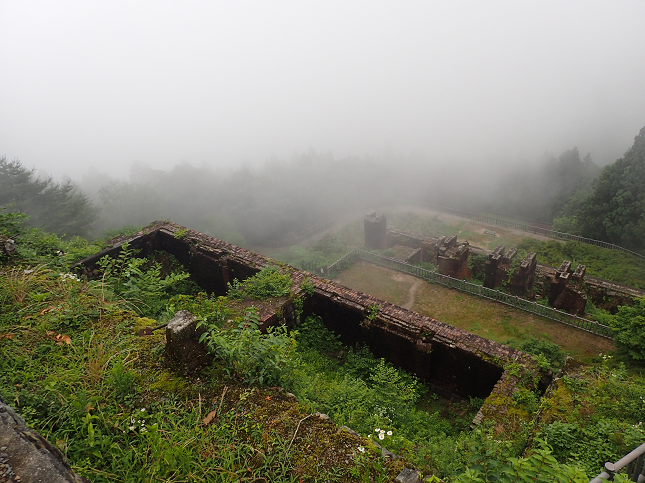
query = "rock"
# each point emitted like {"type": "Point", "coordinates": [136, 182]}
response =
{"type": "Point", "coordinates": [409, 475]}
{"type": "Point", "coordinates": [27, 457]}
{"type": "Point", "coordinates": [182, 342]}
{"type": "Point", "coordinates": [348, 430]}
{"type": "Point", "coordinates": [7, 245]}
{"type": "Point", "coordinates": [324, 417]}
{"type": "Point", "coordinates": [386, 453]}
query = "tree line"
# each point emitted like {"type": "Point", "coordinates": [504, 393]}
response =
{"type": "Point", "coordinates": [282, 200]}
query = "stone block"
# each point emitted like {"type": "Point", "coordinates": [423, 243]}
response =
{"type": "Point", "coordinates": [27, 457]}
{"type": "Point", "coordinates": [182, 343]}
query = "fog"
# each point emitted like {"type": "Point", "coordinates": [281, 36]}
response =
{"type": "Point", "coordinates": [224, 83]}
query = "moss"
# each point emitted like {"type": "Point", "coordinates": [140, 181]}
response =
{"type": "Point", "coordinates": [166, 381]}
{"type": "Point", "coordinates": [143, 323]}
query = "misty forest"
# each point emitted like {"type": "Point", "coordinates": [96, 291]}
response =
{"type": "Point", "coordinates": [87, 363]}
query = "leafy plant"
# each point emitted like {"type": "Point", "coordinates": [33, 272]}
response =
{"type": "Point", "coordinates": [552, 353]}
{"type": "Point", "coordinates": [629, 329]}
{"type": "Point", "coordinates": [540, 466]}
{"type": "Point", "coordinates": [256, 357]}
{"type": "Point", "coordinates": [268, 282]}
{"type": "Point", "coordinates": [180, 234]}
{"type": "Point", "coordinates": [138, 280]}
{"type": "Point", "coordinates": [372, 311]}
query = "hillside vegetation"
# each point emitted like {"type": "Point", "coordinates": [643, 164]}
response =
{"type": "Point", "coordinates": [72, 365]}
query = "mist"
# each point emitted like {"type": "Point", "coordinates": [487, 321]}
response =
{"type": "Point", "coordinates": [221, 85]}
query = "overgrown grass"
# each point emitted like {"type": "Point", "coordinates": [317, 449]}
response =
{"type": "Point", "coordinates": [595, 414]}
{"type": "Point", "coordinates": [381, 402]}
{"type": "Point", "coordinates": [614, 265]}
{"type": "Point", "coordinates": [71, 364]}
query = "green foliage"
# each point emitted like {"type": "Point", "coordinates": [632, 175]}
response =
{"type": "Point", "coordinates": [308, 287]}
{"type": "Point", "coordinates": [614, 211]}
{"type": "Point", "coordinates": [268, 282]}
{"type": "Point", "coordinates": [255, 357]}
{"type": "Point", "coordinates": [180, 234]}
{"type": "Point", "coordinates": [366, 393]}
{"type": "Point", "coordinates": [629, 329]}
{"type": "Point", "coordinates": [594, 415]}
{"type": "Point", "coordinates": [139, 281]}
{"type": "Point", "coordinates": [540, 466]}
{"type": "Point", "coordinates": [476, 264]}
{"type": "Point", "coordinates": [11, 222]}
{"type": "Point", "coordinates": [210, 308]}
{"type": "Point", "coordinates": [553, 354]}
{"type": "Point", "coordinates": [60, 208]}
{"type": "Point", "coordinates": [127, 230]}
{"type": "Point", "coordinates": [306, 258]}
{"type": "Point", "coordinates": [372, 311]}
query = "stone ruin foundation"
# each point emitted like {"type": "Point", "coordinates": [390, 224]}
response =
{"type": "Point", "coordinates": [454, 363]}
{"type": "Point", "coordinates": [529, 279]}
{"type": "Point", "coordinates": [452, 258]}
{"type": "Point", "coordinates": [566, 289]}
{"type": "Point", "coordinates": [498, 265]}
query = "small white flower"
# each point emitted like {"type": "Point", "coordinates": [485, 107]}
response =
{"type": "Point", "coordinates": [361, 449]}
{"type": "Point", "coordinates": [377, 430]}
{"type": "Point", "coordinates": [131, 428]}
{"type": "Point", "coordinates": [381, 436]}
{"type": "Point", "coordinates": [143, 410]}
{"type": "Point", "coordinates": [389, 433]}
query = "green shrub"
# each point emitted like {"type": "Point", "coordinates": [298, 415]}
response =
{"type": "Point", "coordinates": [256, 357]}
{"type": "Point", "coordinates": [554, 355]}
{"type": "Point", "coordinates": [138, 281]}
{"type": "Point", "coordinates": [268, 282]}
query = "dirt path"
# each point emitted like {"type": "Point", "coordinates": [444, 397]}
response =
{"type": "Point", "coordinates": [416, 283]}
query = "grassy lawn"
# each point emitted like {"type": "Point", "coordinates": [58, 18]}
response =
{"type": "Point", "coordinates": [482, 317]}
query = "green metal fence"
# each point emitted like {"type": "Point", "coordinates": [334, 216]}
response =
{"type": "Point", "coordinates": [472, 289]}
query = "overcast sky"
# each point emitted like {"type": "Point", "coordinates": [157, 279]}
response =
{"type": "Point", "coordinates": [108, 83]}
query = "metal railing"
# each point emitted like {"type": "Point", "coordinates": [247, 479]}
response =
{"type": "Point", "coordinates": [634, 463]}
{"type": "Point", "coordinates": [519, 303]}
{"type": "Point", "coordinates": [534, 229]}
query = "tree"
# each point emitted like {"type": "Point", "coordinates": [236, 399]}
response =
{"type": "Point", "coordinates": [629, 329]}
{"type": "Point", "coordinates": [60, 208]}
{"type": "Point", "coordinates": [615, 211]}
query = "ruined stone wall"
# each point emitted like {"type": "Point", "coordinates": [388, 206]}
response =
{"type": "Point", "coordinates": [529, 279]}
{"type": "Point", "coordinates": [415, 257]}
{"type": "Point", "coordinates": [457, 361]}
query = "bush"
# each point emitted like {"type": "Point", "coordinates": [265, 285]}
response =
{"type": "Point", "coordinates": [268, 282]}
{"type": "Point", "coordinates": [255, 357]}
{"type": "Point", "coordinates": [629, 329]}
{"type": "Point", "coordinates": [554, 355]}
